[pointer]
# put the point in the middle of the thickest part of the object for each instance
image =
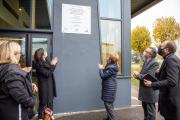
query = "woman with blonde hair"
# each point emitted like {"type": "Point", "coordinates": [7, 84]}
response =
{"type": "Point", "coordinates": [15, 87]}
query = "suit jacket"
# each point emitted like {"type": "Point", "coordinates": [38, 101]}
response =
{"type": "Point", "coordinates": [147, 94]}
{"type": "Point", "coordinates": [169, 86]}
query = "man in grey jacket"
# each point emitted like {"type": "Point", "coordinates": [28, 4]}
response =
{"type": "Point", "coordinates": [147, 95]}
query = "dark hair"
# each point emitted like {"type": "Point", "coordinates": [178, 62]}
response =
{"type": "Point", "coordinates": [172, 46]}
{"type": "Point", "coordinates": [153, 52]}
{"type": "Point", "coordinates": [38, 56]}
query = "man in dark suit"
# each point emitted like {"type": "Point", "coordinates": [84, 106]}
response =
{"type": "Point", "coordinates": [147, 95]}
{"type": "Point", "coordinates": [169, 82]}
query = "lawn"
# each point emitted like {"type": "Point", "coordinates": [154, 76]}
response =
{"type": "Point", "coordinates": [135, 67]}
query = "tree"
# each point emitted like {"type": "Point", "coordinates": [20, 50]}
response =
{"type": "Point", "coordinates": [166, 28]}
{"type": "Point", "coordinates": [140, 40]}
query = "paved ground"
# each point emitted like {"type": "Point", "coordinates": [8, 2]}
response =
{"type": "Point", "coordinates": [134, 95]}
{"type": "Point", "coordinates": [135, 113]}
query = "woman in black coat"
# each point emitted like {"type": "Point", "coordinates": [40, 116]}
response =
{"type": "Point", "coordinates": [46, 81]}
{"type": "Point", "coordinates": [109, 84]}
{"type": "Point", "coordinates": [15, 88]}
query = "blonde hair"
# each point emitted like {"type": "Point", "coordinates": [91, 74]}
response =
{"type": "Point", "coordinates": [114, 57]}
{"type": "Point", "coordinates": [8, 52]}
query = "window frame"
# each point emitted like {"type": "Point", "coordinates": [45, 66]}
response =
{"type": "Point", "coordinates": [30, 29]}
{"type": "Point", "coordinates": [28, 43]}
{"type": "Point", "coordinates": [112, 18]}
{"type": "Point", "coordinates": [122, 41]}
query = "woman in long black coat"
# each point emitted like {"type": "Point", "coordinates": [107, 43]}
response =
{"type": "Point", "coordinates": [109, 84]}
{"type": "Point", "coordinates": [46, 81]}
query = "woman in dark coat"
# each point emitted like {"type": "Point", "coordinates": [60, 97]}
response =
{"type": "Point", "coordinates": [109, 84]}
{"type": "Point", "coordinates": [15, 88]}
{"type": "Point", "coordinates": [46, 81]}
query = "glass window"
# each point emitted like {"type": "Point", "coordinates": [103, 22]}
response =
{"type": "Point", "coordinates": [42, 14]}
{"type": "Point", "coordinates": [21, 41]}
{"type": "Point", "coordinates": [15, 13]}
{"type": "Point", "coordinates": [19, 14]}
{"type": "Point", "coordinates": [110, 8]}
{"type": "Point", "coordinates": [111, 40]}
{"type": "Point", "coordinates": [39, 41]}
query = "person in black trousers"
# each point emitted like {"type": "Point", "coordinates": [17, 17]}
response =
{"type": "Point", "coordinates": [147, 95]}
{"type": "Point", "coordinates": [168, 82]}
{"type": "Point", "coordinates": [109, 85]}
{"type": "Point", "coordinates": [46, 81]}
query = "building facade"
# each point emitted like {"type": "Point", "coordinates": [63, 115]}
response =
{"type": "Point", "coordinates": [82, 34]}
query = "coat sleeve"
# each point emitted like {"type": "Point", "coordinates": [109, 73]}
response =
{"type": "Point", "coordinates": [106, 73]}
{"type": "Point", "coordinates": [52, 67]}
{"type": "Point", "coordinates": [18, 91]}
{"type": "Point", "coordinates": [45, 71]}
{"type": "Point", "coordinates": [151, 70]}
{"type": "Point", "coordinates": [171, 79]}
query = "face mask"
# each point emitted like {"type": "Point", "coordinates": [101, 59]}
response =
{"type": "Point", "coordinates": [144, 55]}
{"type": "Point", "coordinates": [160, 51]}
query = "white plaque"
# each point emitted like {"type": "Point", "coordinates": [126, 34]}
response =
{"type": "Point", "coordinates": [76, 19]}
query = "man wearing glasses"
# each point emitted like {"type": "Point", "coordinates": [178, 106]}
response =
{"type": "Point", "coordinates": [168, 82]}
{"type": "Point", "coordinates": [147, 95]}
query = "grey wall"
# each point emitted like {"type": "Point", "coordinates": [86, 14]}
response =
{"type": "Point", "coordinates": [77, 79]}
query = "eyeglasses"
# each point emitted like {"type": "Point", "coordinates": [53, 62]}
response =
{"type": "Point", "coordinates": [163, 47]}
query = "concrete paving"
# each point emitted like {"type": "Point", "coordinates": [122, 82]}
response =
{"type": "Point", "coordinates": [133, 113]}
{"type": "Point", "coordinates": [134, 95]}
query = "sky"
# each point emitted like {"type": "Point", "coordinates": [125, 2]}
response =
{"type": "Point", "coordinates": [165, 8]}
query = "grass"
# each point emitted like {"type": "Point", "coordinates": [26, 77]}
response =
{"type": "Point", "coordinates": [135, 67]}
